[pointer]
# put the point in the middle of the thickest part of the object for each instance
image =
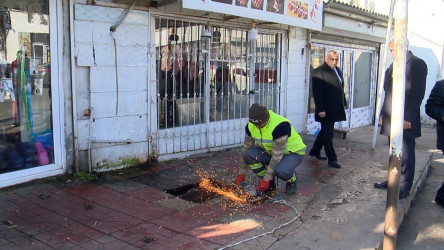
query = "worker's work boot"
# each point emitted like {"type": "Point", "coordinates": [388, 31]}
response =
{"type": "Point", "coordinates": [272, 185]}
{"type": "Point", "coordinates": [291, 187]}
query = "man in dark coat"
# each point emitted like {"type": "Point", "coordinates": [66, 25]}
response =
{"type": "Point", "coordinates": [329, 99]}
{"type": "Point", "coordinates": [415, 84]}
{"type": "Point", "coordinates": [435, 109]}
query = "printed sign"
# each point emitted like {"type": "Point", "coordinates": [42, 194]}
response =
{"type": "Point", "coordinates": [301, 13]}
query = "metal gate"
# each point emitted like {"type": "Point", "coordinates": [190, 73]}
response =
{"type": "Point", "coordinates": [206, 79]}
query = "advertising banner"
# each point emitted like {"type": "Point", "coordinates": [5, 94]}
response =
{"type": "Point", "coordinates": [301, 13]}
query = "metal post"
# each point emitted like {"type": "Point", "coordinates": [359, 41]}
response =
{"type": "Point", "coordinates": [382, 75]}
{"type": "Point", "coordinates": [251, 71]}
{"type": "Point", "coordinates": [397, 124]}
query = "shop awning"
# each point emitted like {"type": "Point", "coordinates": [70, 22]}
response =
{"type": "Point", "coordinates": [305, 14]}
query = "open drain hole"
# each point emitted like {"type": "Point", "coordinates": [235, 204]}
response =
{"type": "Point", "coordinates": [193, 193]}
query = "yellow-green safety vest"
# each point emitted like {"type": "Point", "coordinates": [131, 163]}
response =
{"type": "Point", "coordinates": [264, 136]}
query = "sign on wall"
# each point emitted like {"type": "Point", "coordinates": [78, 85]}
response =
{"type": "Point", "coordinates": [301, 13]}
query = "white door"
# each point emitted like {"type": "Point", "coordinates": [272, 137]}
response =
{"type": "Point", "coordinates": [358, 67]}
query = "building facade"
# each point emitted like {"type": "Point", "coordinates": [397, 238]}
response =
{"type": "Point", "coordinates": [100, 85]}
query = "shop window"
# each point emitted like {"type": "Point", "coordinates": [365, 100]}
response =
{"type": "Point", "coordinates": [26, 139]}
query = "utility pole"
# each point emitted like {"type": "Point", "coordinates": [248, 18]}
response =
{"type": "Point", "coordinates": [382, 75]}
{"type": "Point", "coordinates": [397, 124]}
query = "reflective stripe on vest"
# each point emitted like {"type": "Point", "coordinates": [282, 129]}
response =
{"type": "Point", "coordinates": [264, 136]}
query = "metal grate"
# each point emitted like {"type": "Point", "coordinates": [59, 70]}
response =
{"type": "Point", "coordinates": [205, 85]}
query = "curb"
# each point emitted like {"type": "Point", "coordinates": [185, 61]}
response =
{"type": "Point", "coordinates": [405, 204]}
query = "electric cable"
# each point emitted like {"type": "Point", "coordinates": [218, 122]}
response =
{"type": "Point", "coordinates": [269, 232]}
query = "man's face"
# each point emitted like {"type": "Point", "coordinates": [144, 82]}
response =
{"type": "Point", "coordinates": [391, 47]}
{"type": "Point", "coordinates": [332, 60]}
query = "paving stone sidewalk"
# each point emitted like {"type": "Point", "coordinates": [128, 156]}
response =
{"type": "Point", "coordinates": [333, 208]}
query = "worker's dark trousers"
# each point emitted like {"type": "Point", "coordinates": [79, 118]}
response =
{"type": "Point", "coordinates": [258, 160]}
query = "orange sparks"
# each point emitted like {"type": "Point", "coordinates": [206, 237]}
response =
{"type": "Point", "coordinates": [206, 184]}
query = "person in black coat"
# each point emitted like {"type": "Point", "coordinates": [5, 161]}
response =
{"type": "Point", "coordinates": [415, 84]}
{"type": "Point", "coordinates": [435, 109]}
{"type": "Point", "coordinates": [329, 99]}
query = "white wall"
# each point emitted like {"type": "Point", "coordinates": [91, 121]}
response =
{"type": "Point", "coordinates": [118, 127]}
{"type": "Point", "coordinates": [426, 41]}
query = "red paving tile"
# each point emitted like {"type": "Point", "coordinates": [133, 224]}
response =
{"type": "Point", "coordinates": [59, 242]}
{"type": "Point", "coordinates": [118, 244]}
{"type": "Point", "coordinates": [62, 231]}
{"type": "Point", "coordinates": [49, 226]}
{"type": "Point", "coordinates": [183, 241]}
{"type": "Point", "coordinates": [78, 239]}
{"type": "Point", "coordinates": [43, 236]}
{"type": "Point", "coordinates": [34, 245]}
{"type": "Point", "coordinates": [11, 198]}
{"type": "Point", "coordinates": [105, 239]}
{"type": "Point", "coordinates": [156, 246]}
{"type": "Point", "coordinates": [31, 231]}
{"type": "Point", "coordinates": [270, 209]}
{"type": "Point", "coordinates": [124, 203]}
{"type": "Point", "coordinates": [12, 235]}
{"type": "Point", "coordinates": [184, 220]}
{"type": "Point", "coordinates": [92, 244]}
{"type": "Point", "coordinates": [147, 194]}
{"type": "Point", "coordinates": [23, 241]}
{"type": "Point", "coordinates": [87, 190]}
{"type": "Point", "coordinates": [112, 225]}
{"type": "Point", "coordinates": [132, 220]}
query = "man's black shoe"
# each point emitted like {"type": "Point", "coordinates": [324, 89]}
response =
{"type": "Point", "coordinates": [272, 185]}
{"type": "Point", "coordinates": [381, 185]}
{"type": "Point", "coordinates": [337, 165]}
{"type": "Point", "coordinates": [334, 165]}
{"type": "Point", "coordinates": [318, 156]}
{"type": "Point", "coordinates": [291, 187]}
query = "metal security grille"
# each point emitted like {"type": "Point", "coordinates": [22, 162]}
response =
{"type": "Point", "coordinates": [205, 84]}
{"type": "Point", "coordinates": [267, 56]}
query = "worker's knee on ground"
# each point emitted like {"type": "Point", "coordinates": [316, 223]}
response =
{"type": "Point", "coordinates": [284, 174]}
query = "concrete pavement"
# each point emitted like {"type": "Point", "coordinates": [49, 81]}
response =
{"type": "Point", "coordinates": [162, 207]}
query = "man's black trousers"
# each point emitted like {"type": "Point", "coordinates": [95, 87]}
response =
{"type": "Point", "coordinates": [325, 139]}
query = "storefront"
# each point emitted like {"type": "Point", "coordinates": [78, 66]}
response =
{"type": "Point", "coordinates": [359, 66]}
{"type": "Point", "coordinates": [101, 85]}
{"type": "Point", "coordinates": [357, 36]}
{"type": "Point", "coordinates": [30, 132]}
{"type": "Point", "coordinates": [167, 84]}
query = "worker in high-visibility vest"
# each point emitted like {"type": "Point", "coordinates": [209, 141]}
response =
{"type": "Point", "coordinates": [271, 148]}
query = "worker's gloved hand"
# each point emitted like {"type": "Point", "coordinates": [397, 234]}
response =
{"type": "Point", "coordinates": [263, 185]}
{"type": "Point", "coordinates": [240, 178]}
